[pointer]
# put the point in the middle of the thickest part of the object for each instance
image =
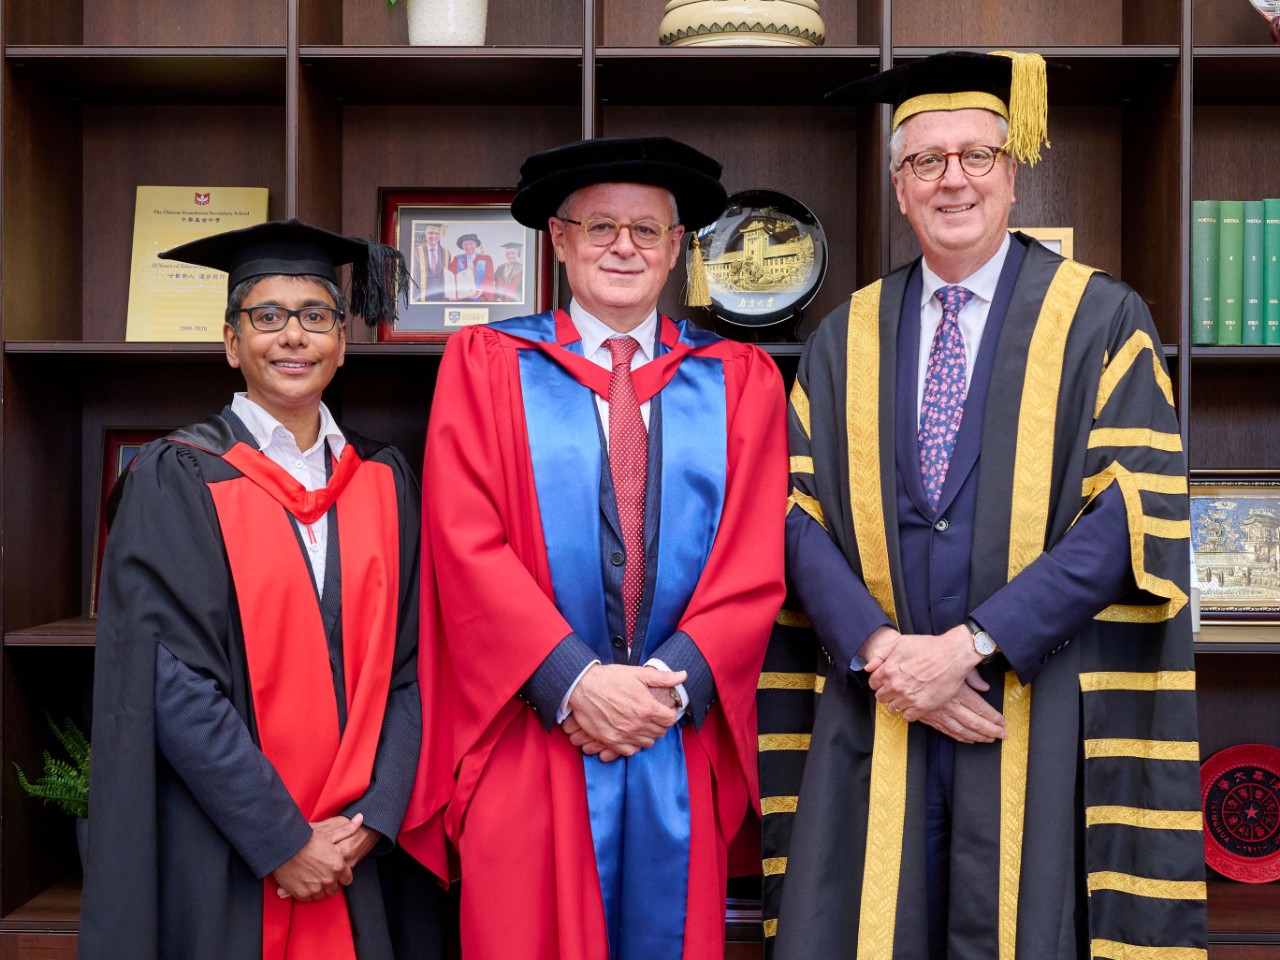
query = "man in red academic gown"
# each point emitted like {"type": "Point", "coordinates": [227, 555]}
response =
{"type": "Point", "coordinates": [602, 552]}
{"type": "Point", "coordinates": [256, 713]}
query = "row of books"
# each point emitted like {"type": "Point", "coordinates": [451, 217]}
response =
{"type": "Point", "coordinates": [1235, 271]}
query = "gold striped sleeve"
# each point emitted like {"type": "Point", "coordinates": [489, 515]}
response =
{"type": "Point", "coordinates": [1150, 482]}
{"type": "Point", "coordinates": [773, 866]}
{"type": "Point", "coordinates": [1135, 613]}
{"type": "Point", "coordinates": [791, 618]}
{"type": "Point", "coordinates": [1147, 886]}
{"type": "Point", "coordinates": [802, 465]}
{"type": "Point", "coordinates": [1143, 749]}
{"type": "Point", "coordinates": [1134, 437]}
{"type": "Point", "coordinates": [1124, 360]}
{"type": "Point", "coordinates": [1166, 529]}
{"type": "Point", "coordinates": [786, 681]}
{"type": "Point", "coordinates": [800, 404]}
{"type": "Point", "coordinates": [808, 504]}
{"type": "Point", "coordinates": [771, 927]}
{"type": "Point", "coordinates": [1143, 817]}
{"type": "Point", "coordinates": [770, 805]}
{"type": "Point", "coordinates": [783, 741]}
{"type": "Point", "coordinates": [1154, 680]}
{"type": "Point", "coordinates": [1114, 950]}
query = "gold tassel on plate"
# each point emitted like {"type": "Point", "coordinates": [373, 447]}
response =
{"type": "Point", "coordinates": [699, 293]}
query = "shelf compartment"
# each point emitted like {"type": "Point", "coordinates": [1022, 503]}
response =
{"type": "Point", "coordinates": [706, 76]}
{"type": "Point", "coordinates": [1038, 24]}
{"type": "Point", "coordinates": [72, 632]}
{"type": "Point", "coordinates": [56, 909]}
{"type": "Point", "coordinates": [449, 76]}
{"type": "Point", "coordinates": [1222, 637]}
{"type": "Point", "coordinates": [1235, 75]}
{"type": "Point", "coordinates": [156, 74]}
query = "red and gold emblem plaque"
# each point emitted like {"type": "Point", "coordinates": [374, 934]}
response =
{"type": "Point", "coordinates": [1240, 796]}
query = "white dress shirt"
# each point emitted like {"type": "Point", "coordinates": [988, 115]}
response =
{"type": "Point", "coordinates": [307, 467]}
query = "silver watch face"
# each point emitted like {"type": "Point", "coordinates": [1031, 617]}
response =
{"type": "Point", "coordinates": [983, 644]}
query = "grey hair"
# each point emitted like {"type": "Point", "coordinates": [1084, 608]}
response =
{"type": "Point", "coordinates": [563, 211]}
{"type": "Point", "coordinates": [235, 299]}
{"type": "Point", "coordinates": [895, 142]}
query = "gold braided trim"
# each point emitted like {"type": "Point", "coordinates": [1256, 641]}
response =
{"type": "Point", "coordinates": [1124, 359]}
{"type": "Point", "coordinates": [773, 866]}
{"type": "Point", "coordinates": [809, 505]}
{"type": "Point", "coordinates": [887, 801]}
{"type": "Point", "coordinates": [1154, 680]}
{"type": "Point", "coordinates": [1113, 950]}
{"type": "Point", "coordinates": [1032, 477]}
{"type": "Point", "coordinates": [1130, 613]}
{"type": "Point", "coordinates": [802, 465]}
{"type": "Point", "coordinates": [1143, 749]}
{"type": "Point", "coordinates": [791, 618]}
{"type": "Point", "coordinates": [782, 741]}
{"type": "Point", "coordinates": [1147, 886]}
{"type": "Point", "coordinates": [771, 927]}
{"type": "Point", "coordinates": [800, 404]}
{"type": "Point", "coordinates": [1132, 437]}
{"type": "Point", "coordinates": [1143, 817]}
{"type": "Point", "coordinates": [1149, 482]}
{"type": "Point", "coordinates": [770, 805]}
{"type": "Point", "coordinates": [964, 100]}
{"type": "Point", "coordinates": [786, 681]}
{"type": "Point", "coordinates": [1166, 529]}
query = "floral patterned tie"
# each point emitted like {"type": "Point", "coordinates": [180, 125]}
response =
{"type": "Point", "coordinates": [942, 406]}
{"type": "Point", "coordinates": [629, 464]}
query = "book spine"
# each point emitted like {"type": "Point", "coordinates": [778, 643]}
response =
{"type": "Point", "coordinates": [1251, 309]}
{"type": "Point", "coordinates": [1204, 271]}
{"type": "Point", "coordinates": [1271, 271]}
{"type": "Point", "coordinates": [1230, 270]}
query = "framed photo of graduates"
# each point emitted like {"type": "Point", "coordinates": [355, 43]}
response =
{"type": "Point", "coordinates": [469, 261]}
{"type": "Point", "coordinates": [1235, 541]}
{"type": "Point", "coordinates": [119, 446]}
{"type": "Point", "coordinates": [1061, 240]}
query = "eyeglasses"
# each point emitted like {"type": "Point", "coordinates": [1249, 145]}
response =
{"type": "Point", "coordinates": [976, 161]}
{"type": "Point", "coordinates": [271, 318]}
{"type": "Point", "coordinates": [603, 231]}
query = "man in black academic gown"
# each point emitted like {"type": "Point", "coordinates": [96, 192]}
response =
{"type": "Point", "coordinates": [988, 535]}
{"type": "Point", "coordinates": [256, 719]}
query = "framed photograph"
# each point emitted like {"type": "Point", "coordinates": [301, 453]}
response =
{"type": "Point", "coordinates": [469, 261]}
{"type": "Point", "coordinates": [1235, 542]}
{"type": "Point", "coordinates": [119, 446]}
{"type": "Point", "coordinates": [1057, 239]}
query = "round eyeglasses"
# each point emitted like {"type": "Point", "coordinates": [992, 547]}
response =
{"type": "Point", "coordinates": [271, 318]}
{"type": "Point", "coordinates": [603, 231]}
{"type": "Point", "coordinates": [975, 161]}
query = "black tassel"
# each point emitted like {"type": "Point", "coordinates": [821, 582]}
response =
{"type": "Point", "coordinates": [378, 283]}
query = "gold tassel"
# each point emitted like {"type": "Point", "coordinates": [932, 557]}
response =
{"type": "Point", "coordinates": [699, 292]}
{"type": "Point", "coordinates": [1028, 106]}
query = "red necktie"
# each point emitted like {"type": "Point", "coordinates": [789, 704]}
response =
{"type": "Point", "coordinates": [629, 464]}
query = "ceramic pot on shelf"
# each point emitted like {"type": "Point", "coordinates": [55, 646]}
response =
{"type": "Point", "coordinates": [742, 23]}
{"type": "Point", "coordinates": [447, 23]}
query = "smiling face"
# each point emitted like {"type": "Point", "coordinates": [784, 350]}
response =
{"type": "Point", "coordinates": [468, 247]}
{"type": "Point", "coordinates": [286, 372]}
{"type": "Point", "coordinates": [433, 237]}
{"type": "Point", "coordinates": [618, 284]}
{"type": "Point", "coordinates": [960, 220]}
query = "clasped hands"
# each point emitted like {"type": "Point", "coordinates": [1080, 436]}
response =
{"type": "Point", "coordinates": [618, 710]}
{"type": "Point", "coordinates": [323, 865]}
{"type": "Point", "coordinates": [933, 679]}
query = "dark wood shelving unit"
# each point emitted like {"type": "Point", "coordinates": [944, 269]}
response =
{"type": "Point", "coordinates": [323, 102]}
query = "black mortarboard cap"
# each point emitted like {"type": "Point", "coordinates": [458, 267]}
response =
{"type": "Point", "coordinates": [692, 177]}
{"type": "Point", "coordinates": [294, 248]}
{"type": "Point", "coordinates": [1012, 85]}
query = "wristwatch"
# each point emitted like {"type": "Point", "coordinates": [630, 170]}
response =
{"type": "Point", "coordinates": [984, 645]}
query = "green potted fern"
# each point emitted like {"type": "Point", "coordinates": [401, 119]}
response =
{"type": "Point", "coordinates": [65, 782]}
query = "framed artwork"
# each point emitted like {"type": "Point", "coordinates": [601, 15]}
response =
{"type": "Point", "coordinates": [119, 446]}
{"type": "Point", "coordinates": [1058, 239]}
{"type": "Point", "coordinates": [469, 261]}
{"type": "Point", "coordinates": [1235, 541]}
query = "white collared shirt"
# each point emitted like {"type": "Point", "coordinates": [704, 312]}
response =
{"type": "Point", "coordinates": [972, 318]}
{"type": "Point", "coordinates": [307, 467]}
{"type": "Point", "coordinates": [595, 332]}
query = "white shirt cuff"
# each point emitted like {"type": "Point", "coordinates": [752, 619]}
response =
{"type": "Point", "coordinates": [563, 710]}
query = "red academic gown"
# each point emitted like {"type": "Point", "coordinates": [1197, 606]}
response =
{"type": "Point", "coordinates": [507, 794]}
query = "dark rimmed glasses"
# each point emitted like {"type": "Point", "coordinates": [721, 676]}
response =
{"type": "Point", "coordinates": [603, 231]}
{"type": "Point", "coordinates": [976, 161]}
{"type": "Point", "coordinates": [272, 318]}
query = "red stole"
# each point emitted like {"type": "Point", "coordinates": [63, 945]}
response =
{"type": "Point", "coordinates": [289, 674]}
